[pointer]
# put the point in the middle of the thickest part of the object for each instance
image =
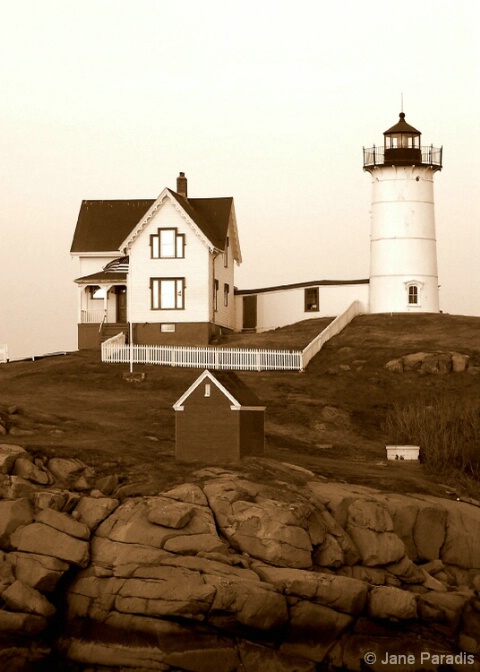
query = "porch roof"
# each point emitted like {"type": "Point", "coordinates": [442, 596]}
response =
{"type": "Point", "coordinates": [103, 278]}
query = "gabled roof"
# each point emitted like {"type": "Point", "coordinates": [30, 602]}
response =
{"type": "Point", "coordinates": [105, 226]}
{"type": "Point", "coordinates": [239, 394]}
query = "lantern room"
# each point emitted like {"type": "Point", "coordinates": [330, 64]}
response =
{"type": "Point", "coordinates": [402, 144]}
{"type": "Point", "coordinates": [402, 147]}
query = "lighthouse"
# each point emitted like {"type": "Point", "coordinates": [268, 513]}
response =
{"type": "Point", "coordinates": [403, 251]}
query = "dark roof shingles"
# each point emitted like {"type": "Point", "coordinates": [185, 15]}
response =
{"type": "Point", "coordinates": [102, 226]}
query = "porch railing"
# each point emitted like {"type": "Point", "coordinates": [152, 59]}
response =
{"type": "Point", "coordinates": [92, 316]}
{"type": "Point", "coordinates": [3, 354]}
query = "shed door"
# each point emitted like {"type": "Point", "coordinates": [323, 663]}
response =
{"type": "Point", "coordinates": [250, 312]}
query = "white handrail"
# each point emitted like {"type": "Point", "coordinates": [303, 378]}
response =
{"type": "Point", "coordinates": [334, 328]}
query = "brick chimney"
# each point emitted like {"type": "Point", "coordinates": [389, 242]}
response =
{"type": "Point", "coordinates": [182, 185]}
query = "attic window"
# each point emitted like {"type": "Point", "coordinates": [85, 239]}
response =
{"type": "Point", "coordinates": [225, 254]}
{"type": "Point", "coordinates": [207, 389]}
{"type": "Point", "coordinates": [167, 244]}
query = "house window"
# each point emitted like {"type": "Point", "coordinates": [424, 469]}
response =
{"type": "Point", "coordinates": [207, 389]}
{"type": "Point", "coordinates": [167, 244]}
{"type": "Point", "coordinates": [413, 295]}
{"type": "Point", "coordinates": [167, 328]}
{"type": "Point", "coordinates": [215, 295]}
{"type": "Point", "coordinates": [167, 293]}
{"type": "Point", "coordinates": [311, 300]}
{"type": "Point", "coordinates": [226, 291]}
{"type": "Point", "coordinates": [225, 254]}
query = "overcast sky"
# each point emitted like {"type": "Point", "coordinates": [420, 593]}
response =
{"type": "Point", "coordinates": [267, 101]}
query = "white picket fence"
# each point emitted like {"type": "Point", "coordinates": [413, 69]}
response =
{"type": "Point", "coordinates": [3, 354]}
{"type": "Point", "coordinates": [237, 359]}
{"type": "Point", "coordinates": [116, 351]}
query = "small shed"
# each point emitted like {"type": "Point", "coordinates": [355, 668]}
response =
{"type": "Point", "coordinates": [218, 419]}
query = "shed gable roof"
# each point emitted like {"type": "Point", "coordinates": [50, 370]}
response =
{"type": "Point", "coordinates": [239, 394]}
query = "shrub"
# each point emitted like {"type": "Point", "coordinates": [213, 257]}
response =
{"type": "Point", "coordinates": [446, 429]}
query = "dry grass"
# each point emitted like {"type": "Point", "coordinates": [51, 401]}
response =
{"type": "Point", "coordinates": [330, 418]}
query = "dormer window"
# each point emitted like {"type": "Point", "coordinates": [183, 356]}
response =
{"type": "Point", "coordinates": [167, 244]}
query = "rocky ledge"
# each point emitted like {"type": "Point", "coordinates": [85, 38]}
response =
{"type": "Point", "coordinates": [226, 573]}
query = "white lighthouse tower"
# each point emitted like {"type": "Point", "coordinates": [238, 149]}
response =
{"type": "Point", "coordinates": [403, 252]}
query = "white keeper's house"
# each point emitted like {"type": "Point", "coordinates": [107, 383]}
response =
{"type": "Point", "coordinates": [163, 270]}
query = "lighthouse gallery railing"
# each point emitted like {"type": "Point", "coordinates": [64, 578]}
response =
{"type": "Point", "coordinates": [375, 156]}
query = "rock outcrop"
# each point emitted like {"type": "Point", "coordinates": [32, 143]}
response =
{"type": "Point", "coordinates": [228, 573]}
{"type": "Point", "coordinates": [433, 362]}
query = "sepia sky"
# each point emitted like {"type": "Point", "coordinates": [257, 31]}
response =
{"type": "Point", "coordinates": [267, 101]}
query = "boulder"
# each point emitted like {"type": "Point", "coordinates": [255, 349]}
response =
{"type": "Point", "coordinates": [459, 362]}
{"type": "Point", "coordinates": [41, 572]}
{"type": "Point", "coordinates": [21, 623]}
{"type": "Point", "coordinates": [24, 599]}
{"type": "Point", "coordinates": [188, 493]}
{"type": "Point", "coordinates": [413, 361]}
{"type": "Point", "coordinates": [45, 540]}
{"type": "Point", "coordinates": [63, 523]}
{"type": "Point", "coordinates": [337, 592]}
{"type": "Point", "coordinates": [8, 456]}
{"type": "Point", "coordinates": [395, 365]}
{"type": "Point", "coordinates": [255, 657]}
{"type": "Point", "coordinates": [122, 559]}
{"type": "Point", "coordinates": [252, 603]}
{"type": "Point", "coordinates": [129, 524]}
{"type": "Point", "coordinates": [313, 630]}
{"type": "Point", "coordinates": [107, 484]}
{"type": "Point", "coordinates": [50, 499]}
{"type": "Point", "coordinates": [462, 530]}
{"type": "Point", "coordinates": [376, 548]}
{"type": "Point", "coordinates": [329, 554]}
{"type": "Point", "coordinates": [114, 655]}
{"type": "Point", "coordinates": [6, 572]}
{"type": "Point", "coordinates": [269, 530]}
{"type": "Point", "coordinates": [169, 514]}
{"type": "Point", "coordinates": [183, 594]}
{"type": "Point", "coordinates": [437, 363]}
{"type": "Point", "coordinates": [92, 511]}
{"type": "Point", "coordinates": [66, 470]}
{"type": "Point", "coordinates": [13, 514]}
{"type": "Point", "coordinates": [391, 603]}
{"type": "Point", "coordinates": [443, 611]}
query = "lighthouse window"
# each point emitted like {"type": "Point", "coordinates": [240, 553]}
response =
{"type": "Point", "coordinates": [311, 300]}
{"type": "Point", "coordinates": [413, 295]}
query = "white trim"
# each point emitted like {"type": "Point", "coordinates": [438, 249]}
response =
{"type": "Point", "coordinates": [247, 408]}
{"type": "Point", "coordinates": [200, 379]}
{"type": "Point", "coordinates": [109, 253]}
{"type": "Point", "coordinates": [137, 230]}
